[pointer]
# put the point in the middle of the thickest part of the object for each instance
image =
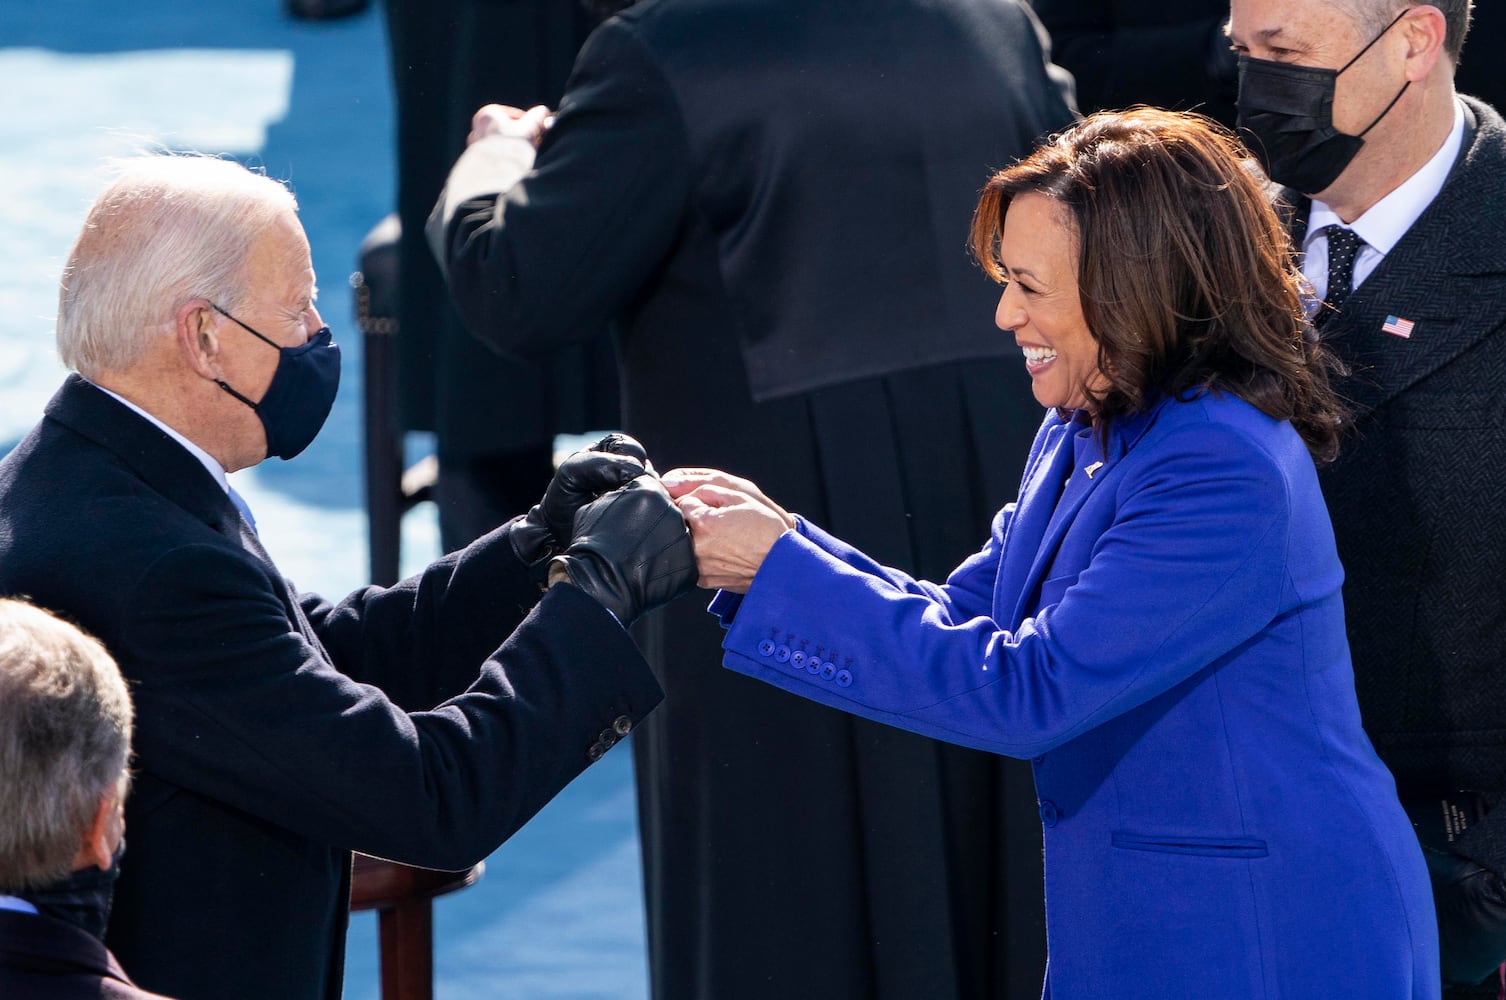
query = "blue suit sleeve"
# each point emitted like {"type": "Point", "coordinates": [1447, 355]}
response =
{"type": "Point", "coordinates": [1191, 566]}
{"type": "Point", "coordinates": [966, 594]}
{"type": "Point", "coordinates": [968, 591]}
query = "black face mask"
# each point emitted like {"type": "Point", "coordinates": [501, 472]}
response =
{"type": "Point", "coordinates": [83, 898]}
{"type": "Point", "coordinates": [296, 404]}
{"type": "Point", "coordinates": [1286, 115]}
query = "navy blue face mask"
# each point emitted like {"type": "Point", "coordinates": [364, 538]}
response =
{"type": "Point", "coordinates": [81, 899]}
{"type": "Point", "coordinates": [296, 404]}
{"type": "Point", "coordinates": [1286, 115]}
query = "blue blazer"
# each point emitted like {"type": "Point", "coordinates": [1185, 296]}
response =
{"type": "Point", "coordinates": [1157, 624]}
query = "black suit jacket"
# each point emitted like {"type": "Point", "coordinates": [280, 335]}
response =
{"type": "Point", "coordinates": [1416, 493]}
{"type": "Point", "coordinates": [276, 732]}
{"type": "Point", "coordinates": [685, 142]}
{"type": "Point", "coordinates": [46, 959]}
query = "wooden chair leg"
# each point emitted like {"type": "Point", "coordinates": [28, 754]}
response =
{"type": "Point", "coordinates": [407, 942]}
{"type": "Point", "coordinates": [403, 899]}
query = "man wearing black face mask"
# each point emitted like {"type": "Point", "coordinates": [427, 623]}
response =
{"type": "Point", "coordinates": [1396, 184]}
{"type": "Point", "coordinates": [277, 732]}
{"type": "Point", "coordinates": [65, 733]}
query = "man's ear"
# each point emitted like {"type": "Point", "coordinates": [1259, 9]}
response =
{"type": "Point", "coordinates": [194, 325]}
{"type": "Point", "coordinates": [1425, 30]}
{"type": "Point", "coordinates": [97, 848]}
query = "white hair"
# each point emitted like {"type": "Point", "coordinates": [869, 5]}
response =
{"type": "Point", "coordinates": [168, 229]}
{"type": "Point", "coordinates": [65, 732]}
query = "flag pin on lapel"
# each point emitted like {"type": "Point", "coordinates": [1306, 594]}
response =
{"type": "Point", "coordinates": [1093, 468]}
{"type": "Point", "coordinates": [1397, 327]}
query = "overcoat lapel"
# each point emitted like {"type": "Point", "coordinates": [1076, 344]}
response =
{"type": "Point", "coordinates": [1088, 469]}
{"type": "Point", "coordinates": [159, 461]}
{"type": "Point", "coordinates": [247, 536]}
{"type": "Point", "coordinates": [1451, 299]}
{"type": "Point", "coordinates": [1039, 491]}
{"type": "Point", "coordinates": [162, 464]}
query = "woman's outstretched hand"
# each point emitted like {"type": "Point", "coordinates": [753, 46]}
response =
{"type": "Point", "coordinates": [733, 525]}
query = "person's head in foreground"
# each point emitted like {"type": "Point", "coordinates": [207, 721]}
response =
{"type": "Point", "coordinates": [65, 733]}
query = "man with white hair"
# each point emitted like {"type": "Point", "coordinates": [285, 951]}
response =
{"type": "Point", "coordinates": [277, 732]}
{"type": "Point", "coordinates": [65, 733]}
{"type": "Point", "coordinates": [1396, 185]}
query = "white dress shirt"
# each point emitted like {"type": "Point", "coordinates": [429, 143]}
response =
{"type": "Point", "coordinates": [1386, 222]}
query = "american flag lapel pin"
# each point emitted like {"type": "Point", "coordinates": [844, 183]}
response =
{"type": "Point", "coordinates": [1397, 327]}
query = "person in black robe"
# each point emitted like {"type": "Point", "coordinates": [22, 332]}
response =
{"type": "Point", "coordinates": [771, 200]}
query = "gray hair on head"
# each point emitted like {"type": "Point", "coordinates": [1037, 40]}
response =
{"type": "Point", "coordinates": [1372, 16]}
{"type": "Point", "coordinates": [167, 229]}
{"type": "Point", "coordinates": [65, 733]}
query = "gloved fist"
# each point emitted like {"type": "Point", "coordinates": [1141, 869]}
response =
{"type": "Point", "coordinates": [1471, 905]}
{"type": "Point", "coordinates": [623, 444]}
{"type": "Point", "coordinates": [631, 551]}
{"type": "Point", "coordinates": [548, 527]}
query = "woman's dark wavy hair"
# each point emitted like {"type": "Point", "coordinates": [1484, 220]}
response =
{"type": "Point", "coordinates": [1184, 268]}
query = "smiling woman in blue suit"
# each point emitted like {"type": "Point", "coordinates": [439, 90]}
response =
{"type": "Point", "coordinates": [1156, 622]}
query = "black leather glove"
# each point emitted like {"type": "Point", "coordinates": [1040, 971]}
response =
{"type": "Point", "coordinates": [548, 527]}
{"type": "Point", "coordinates": [631, 551]}
{"type": "Point", "coordinates": [1471, 905]}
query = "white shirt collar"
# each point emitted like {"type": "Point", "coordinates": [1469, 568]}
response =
{"type": "Point", "coordinates": [1388, 220]}
{"type": "Point", "coordinates": [19, 905]}
{"type": "Point", "coordinates": [207, 460]}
